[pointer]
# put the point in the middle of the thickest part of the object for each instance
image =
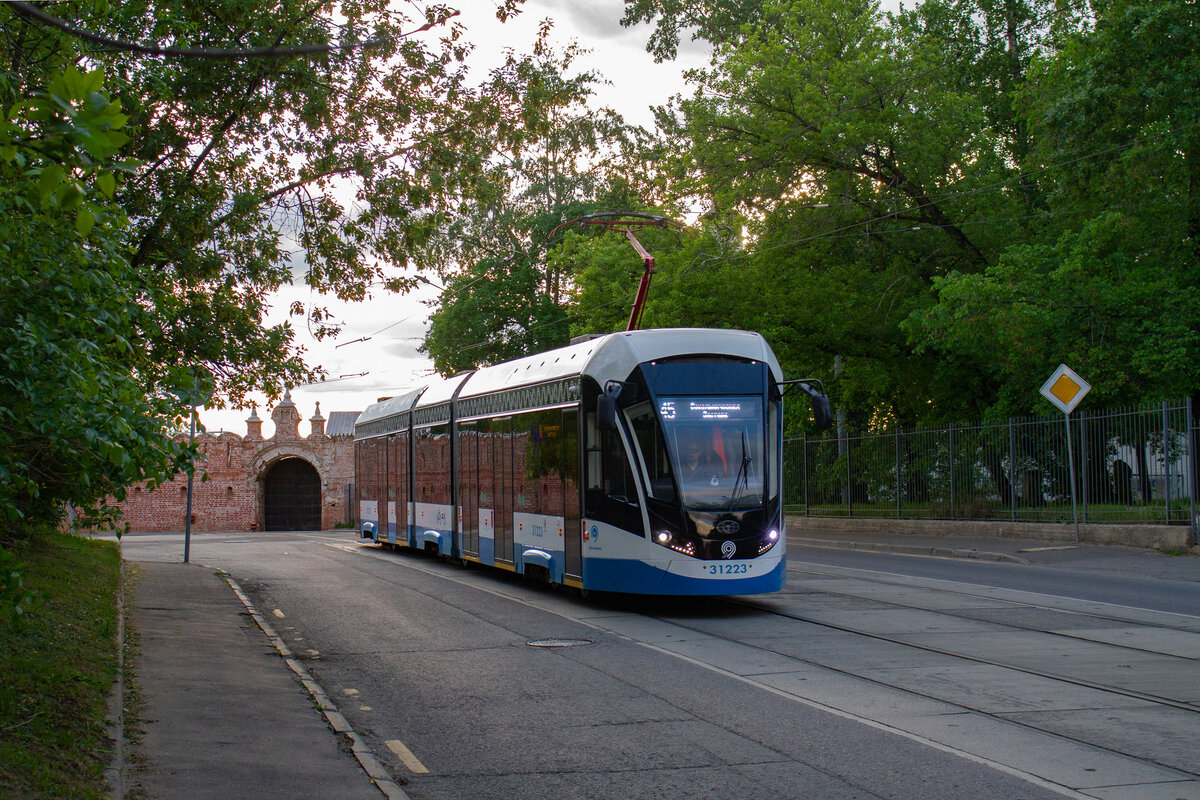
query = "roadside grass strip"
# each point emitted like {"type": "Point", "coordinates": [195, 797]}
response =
{"type": "Point", "coordinates": [58, 663]}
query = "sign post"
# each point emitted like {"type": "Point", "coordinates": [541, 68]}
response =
{"type": "Point", "coordinates": [1065, 389]}
{"type": "Point", "coordinates": [187, 520]}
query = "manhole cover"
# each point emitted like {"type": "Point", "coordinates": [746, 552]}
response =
{"type": "Point", "coordinates": [558, 642]}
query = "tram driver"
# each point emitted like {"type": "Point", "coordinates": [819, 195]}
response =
{"type": "Point", "coordinates": [700, 463]}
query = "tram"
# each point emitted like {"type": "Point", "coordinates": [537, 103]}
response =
{"type": "Point", "coordinates": [645, 462]}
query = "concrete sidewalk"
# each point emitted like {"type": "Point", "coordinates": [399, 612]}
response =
{"type": "Point", "coordinates": [221, 714]}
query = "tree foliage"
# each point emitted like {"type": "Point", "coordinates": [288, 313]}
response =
{"type": "Point", "coordinates": [1106, 279]}
{"type": "Point", "coordinates": [80, 414]}
{"type": "Point", "coordinates": [935, 207]}
{"type": "Point", "coordinates": [148, 222]}
{"type": "Point", "coordinates": [505, 294]}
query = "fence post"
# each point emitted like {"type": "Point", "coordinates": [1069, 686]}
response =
{"type": "Point", "coordinates": [1166, 451]}
{"type": "Point", "coordinates": [1083, 463]}
{"type": "Point", "coordinates": [952, 503]}
{"type": "Point", "coordinates": [849, 483]}
{"type": "Point", "coordinates": [898, 512]}
{"type": "Point", "coordinates": [1191, 476]}
{"type": "Point", "coordinates": [1012, 468]}
{"type": "Point", "coordinates": [804, 444]}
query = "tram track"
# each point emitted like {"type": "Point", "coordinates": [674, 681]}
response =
{"type": "Point", "coordinates": [901, 582]}
{"type": "Point", "coordinates": [1094, 686]}
{"type": "Point", "coordinates": [1063, 634]}
{"type": "Point", "coordinates": [871, 676]}
{"type": "Point", "coordinates": [1155, 701]}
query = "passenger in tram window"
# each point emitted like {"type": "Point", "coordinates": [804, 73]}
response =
{"type": "Point", "coordinates": [699, 462]}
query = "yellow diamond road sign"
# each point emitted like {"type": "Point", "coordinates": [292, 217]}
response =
{"type": "Point", "coordinates": [1065, 389]}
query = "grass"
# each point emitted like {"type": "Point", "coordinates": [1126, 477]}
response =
{"type": "Point", "coordinates": [57, 666]}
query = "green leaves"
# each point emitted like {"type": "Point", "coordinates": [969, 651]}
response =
{"type": "Point", "coordinates": [512, 295]}
{"type": "Point", "coordinates": [81, 414]}
{"type": "Point", "coordinates": [962, 193]}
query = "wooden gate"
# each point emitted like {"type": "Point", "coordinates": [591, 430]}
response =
{"type": "Point", "coordinates": [292, 496]}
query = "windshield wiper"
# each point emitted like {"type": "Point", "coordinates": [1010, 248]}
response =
{"type": "Point", "coordinates": [743, 475]}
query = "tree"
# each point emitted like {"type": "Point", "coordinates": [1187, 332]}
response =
{"type": "Point", "coordinates": [334, 169]}
{"type": "Point", "coordinates": [854, 165]}
{"type": "Point", "coordinates": [83, 413]}
{"type": "Point", "coordinates": [1107, 280]}
{"type": "Point", "coordinates": [147, 223]}
{"type": "Point", "coordinates": [715, 21]}
{"type": "Point", "coordinates": [505, 294]}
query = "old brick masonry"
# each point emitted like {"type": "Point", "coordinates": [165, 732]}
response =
{"type": "Point", "coordinates": [241, 469]}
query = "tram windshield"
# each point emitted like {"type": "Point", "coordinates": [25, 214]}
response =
{"type": "Point", "coordinates": [715, 447]}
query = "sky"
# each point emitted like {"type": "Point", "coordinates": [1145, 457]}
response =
{"type": "Point", "coordinates": [394, 325]}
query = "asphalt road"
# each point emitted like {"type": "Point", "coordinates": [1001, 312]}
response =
{"type": "Point", "coordinates": [1082, 575]}
{"type": "Point", "coordinates": [870, 676]}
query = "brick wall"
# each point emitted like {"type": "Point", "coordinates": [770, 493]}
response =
{"type": "Point", "coordinates": [231, 499]}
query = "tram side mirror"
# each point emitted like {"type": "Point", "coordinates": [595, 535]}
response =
{"type": "Point", "coordinates": [606, 412]}
{"type": "Point", "coordinates": [822, 414]}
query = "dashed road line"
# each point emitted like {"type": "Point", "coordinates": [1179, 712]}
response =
{"type": "Point", "coordinates": [404, 754]}
{"type": "Point", "coordinates": [362, 753]}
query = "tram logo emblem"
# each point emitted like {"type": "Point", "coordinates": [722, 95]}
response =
{"type": "Point", "coordinates": [728, 549]}
{"type": "Point", "coordinates": [728, 527]}
{"type": "Point", "coordinates": [592, 535]}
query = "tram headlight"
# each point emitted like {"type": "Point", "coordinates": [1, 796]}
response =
{"type": "Point", "coordinates": [673, 542]}
{"type": "Point", "coordinates": [768, 541]}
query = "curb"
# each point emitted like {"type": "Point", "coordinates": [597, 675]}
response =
{"type": "Point", "coordinates": [910, 550]}
{"type": "Point", "coordinates": [362, 753]}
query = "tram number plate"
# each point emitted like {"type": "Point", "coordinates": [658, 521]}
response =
{"type": "Point", "coordinates": [726, 569]}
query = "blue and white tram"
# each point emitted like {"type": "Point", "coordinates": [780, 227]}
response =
{"type": "Point", "coordinates": [645, 462]}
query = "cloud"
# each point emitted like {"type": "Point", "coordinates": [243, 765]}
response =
{"type": "Point", "coordinates": [591, 19]}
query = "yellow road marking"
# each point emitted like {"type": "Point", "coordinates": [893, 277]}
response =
{"type": "Point", "coordinates": [1044, 549]}
{"type": "Point", "coordinates": [412, 762]}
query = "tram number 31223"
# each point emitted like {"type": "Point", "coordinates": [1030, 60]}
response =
{"type": "Point", "coordinates": [726, 569]}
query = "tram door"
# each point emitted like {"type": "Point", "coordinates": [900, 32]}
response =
{"type": "Point", "coordinates": [572, 524]}
{"type": "Point", "coordinates": [502, 441]}
{"type": "Point", "coordinates": [397, 503]}
{"type": "Point", "coordinates": [469, 490]}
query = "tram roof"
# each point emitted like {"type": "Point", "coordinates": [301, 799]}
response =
{"type": "Point", "coordinates": [440, 390]}
{"type": "Point", "coordinates": [389, 407]}
{"type": "Point", "coordinates": [615, 355]}
{"type": "Point", "coordinates": [612, 356]}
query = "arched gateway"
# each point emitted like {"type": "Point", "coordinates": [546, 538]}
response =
{"type": "Point", "coordinates": [292, 496]}
{"type": "Point", "coordinates": [283, 482]}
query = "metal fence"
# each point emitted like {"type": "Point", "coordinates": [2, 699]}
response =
{"type": "Point", "coordinates": [1131, 465]}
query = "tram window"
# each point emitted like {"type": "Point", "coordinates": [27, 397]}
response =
{"type": "Point", "coordinates": [550, 448]}
{"type": "Point", "coordinates": [570, 423]}
{"type": "Point", "coordinates": [618, 479]}
{"type": "Point", "coordinates": [773, 450]}
{"type": "Point", "coordinates": [526, 437]}
{"type": "Point", "coordinates": [433, 464]}
{"type": "Point", "coordinates": [656, 463]}
{"type": "Point", "coordinates": [594, 453]}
